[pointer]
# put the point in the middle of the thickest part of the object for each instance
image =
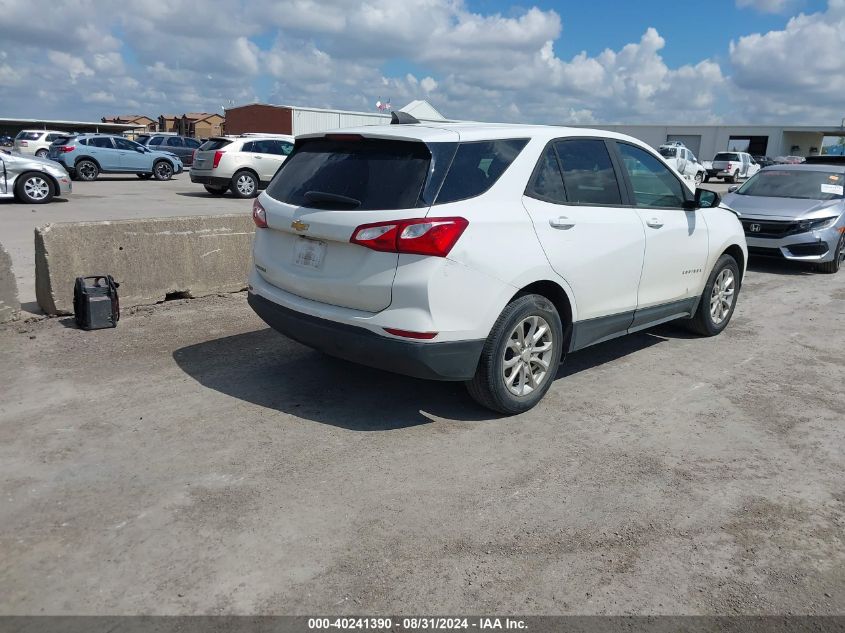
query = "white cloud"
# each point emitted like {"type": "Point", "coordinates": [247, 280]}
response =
{"type": "Point", "coordinates": [185, 55]}
{"type": "Point", "coordinates": [767, 6]}
{"type": "Point", "coordinates": [796, 72]}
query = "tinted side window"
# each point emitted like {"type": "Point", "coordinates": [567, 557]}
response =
{"type": "Point", "coordinates": [192, 143]}
{"type": "Point", "coordinates": [264, 147]}
{"type": "Point", "coordinates": [174, 141]}
{"type": "Point", "coordinates": [285, 147]}
{"type": "Point", "coordinates": [101, 141]}
{"type": "Point", "coordinates": [248, 147]}
{"type": "Point", "coordinates": [547, 183]}
{"type": "Point", "coordinates": [156, 140]}
{"type": "Point", "coordinates": [476, 167]}
{"type": "Point", "coordinates": [122, 143]}
{"type": "Point", "coordinates": [652, 182]}
{"type": "Point", "coordinates": [588, 172]}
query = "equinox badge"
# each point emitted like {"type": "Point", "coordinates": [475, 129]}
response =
{"type": "Point", "coordinates": [298, 225]}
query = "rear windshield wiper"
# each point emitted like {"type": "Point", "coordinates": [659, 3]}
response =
{"type": "Point", "coordinates": [313, 197]}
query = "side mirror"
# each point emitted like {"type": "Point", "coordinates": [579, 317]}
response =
{"type": "Point", "coordinates": [141, 149]}
{"type": "Point", "coordinates": [706, 199]}
{"type": "Point", "coordinates": [733, 188]}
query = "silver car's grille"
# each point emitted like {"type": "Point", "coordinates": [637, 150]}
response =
{"type": "Point", "coordinates": [769, 228]}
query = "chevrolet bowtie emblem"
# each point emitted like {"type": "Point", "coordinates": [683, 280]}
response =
{"type": "Point", "coordinates": [298, 225]}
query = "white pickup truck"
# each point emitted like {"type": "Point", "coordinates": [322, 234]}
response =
{"type": "Point", "coordinates": [682, 160]}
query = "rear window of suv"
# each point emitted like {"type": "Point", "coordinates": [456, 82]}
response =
{"type": "Point", "coordinates": [368, 174]}
{"type": "Point", "coordinates": [375, 174]}
{"type": "Point", "coordinates": [214, 144]}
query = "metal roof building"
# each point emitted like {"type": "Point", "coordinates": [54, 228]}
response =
{"type": "Point", "coordinates": [285, 119]}
{"type": "Point", "coordinates": [759, 140]}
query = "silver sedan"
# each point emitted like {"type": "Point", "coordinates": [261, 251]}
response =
{"type": "Point", "coordinates": [32, 179]}
{"type": "Point", "coordinates": [796, 212]}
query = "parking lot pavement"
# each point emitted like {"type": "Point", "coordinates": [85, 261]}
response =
{"type": "Point", "coordinates": [193, 461]}
{"type": "Point", "coordinates": [108, 198]}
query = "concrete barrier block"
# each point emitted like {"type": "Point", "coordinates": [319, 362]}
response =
{"type": "Point", "coordinates": [150, 258]}
{"type": "Point", "coordinates": [10, 305]}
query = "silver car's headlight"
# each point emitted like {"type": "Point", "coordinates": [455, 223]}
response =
{"type": "Point", "coordinates": [818, 223]}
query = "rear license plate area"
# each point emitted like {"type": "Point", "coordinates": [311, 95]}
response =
{"type": "Point", "coordinates": [309, 253]}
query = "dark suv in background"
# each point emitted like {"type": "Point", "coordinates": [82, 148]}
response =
{"type": "Point", "coordinates": [182, 146]}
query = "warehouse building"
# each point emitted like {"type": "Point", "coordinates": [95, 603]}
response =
{"type": "Point", "coordinates": [758, 140]}
{"type": "Point", "coordinates": [295, 120]}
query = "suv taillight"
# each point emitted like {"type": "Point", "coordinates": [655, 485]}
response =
{"type": "Point", "coordinates": [420, 236]}
{"type": "Point", "coordinates": [217, 156]}
{"type": "Point", "coordinates": [259, 215]}
{"type": "Point", "coordinates": [66, 148]}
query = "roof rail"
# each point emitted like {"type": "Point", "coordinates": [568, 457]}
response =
{"type": "Point", "coordinates": [263, 134]}
{"type": "Point", "coordinates": [397, 117]}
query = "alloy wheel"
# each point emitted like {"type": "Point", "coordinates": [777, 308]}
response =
{"type": "Point", "coordinates": [528, 352]}
{"type": "Point", "coordinates": [163, 171]}
{"type": "Point", "coordinates": [36, 188]}
{"type": "Point", "coordinates": [245, 185]}
{"type": "Point", "coordinates": [88, 171]}
{"type": "Point", "coordinates": [722, 296]}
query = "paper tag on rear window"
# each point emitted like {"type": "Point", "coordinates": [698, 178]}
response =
{"type": "Point", "coordinates": [834, 189]}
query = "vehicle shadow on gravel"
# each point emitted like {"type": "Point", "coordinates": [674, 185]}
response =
{"type": "Point", "coordinates": [270, 370]}
{"type": "Point", "coordinates": [617, 348]}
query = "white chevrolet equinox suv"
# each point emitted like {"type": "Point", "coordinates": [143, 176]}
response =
{"type": "Point", "coordinates": [484, 253]}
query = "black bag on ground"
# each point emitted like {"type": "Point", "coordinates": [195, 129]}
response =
{"type": "Point", "coordinates": [95, 303]}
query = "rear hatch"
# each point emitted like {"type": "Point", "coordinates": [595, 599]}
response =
{"type": "Point", "coordinates": [726, 161]}
{"type": "Point", "coordinates": [61, 145]}
{"type": "Point", "coordinates": [23, 139]}
{"type": "Point", "coordinates": [328, 187]}
{"type": "Point", "coordinates": [206, 154]}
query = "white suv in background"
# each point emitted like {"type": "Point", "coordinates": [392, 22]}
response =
{"type": "Point", "coordinates": [36, 142]}
{"type": "Point", "coordinates": [484, 253]}
{"type": "Point", "coordinates": [243, 164]}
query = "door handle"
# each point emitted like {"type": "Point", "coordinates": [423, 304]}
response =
{"type": "Point", "coordinates": [563, 223]}
{"type": "Point", "coordinates": [258, 157]}
{"type": "Point", "coordinates": [654, 223]}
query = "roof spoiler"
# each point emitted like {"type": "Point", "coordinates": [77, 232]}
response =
{"type": "Point", "coordinates": [397, 117]}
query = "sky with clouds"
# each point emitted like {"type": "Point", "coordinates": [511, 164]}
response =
{"type": "Point", "coordinates": [744, 61]}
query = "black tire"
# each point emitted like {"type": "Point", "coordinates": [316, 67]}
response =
{"type": "Point", "coordinates": [732, 179]}
{"type": "Point", "coordinates": [488, 386]}
{"type": "Point", "coordinates": [144, 176]}
{"type": "Point", "coordinates": [698, 179]}
{"type": "Point", "coordinates": [706, 177]}
{"type": "Point", "coordinates": [162, 170]}
{"type": "Point", "coordinates": [34, 188]}
{"type": "Point", "coordinates": [241, 187]}
{"type": "Point", "coordinates": [87, 170]}
{"type": "Point", "coordinates": [703, 321]}
{"type": "Point", "coordinates": [216, 191]}
{"type": "Point", "coordinates": [835, 264]}
{"type": "Point", "coordinates": [41, 153]}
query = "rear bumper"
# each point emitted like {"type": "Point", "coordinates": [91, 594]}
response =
{"type": "Point", "coordinates": [214, 181]}
{"type": "Point", "coordinates": [453, 360]}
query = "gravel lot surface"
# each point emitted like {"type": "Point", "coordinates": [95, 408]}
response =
{"type": "Point", "coordinates": [193, 461]}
